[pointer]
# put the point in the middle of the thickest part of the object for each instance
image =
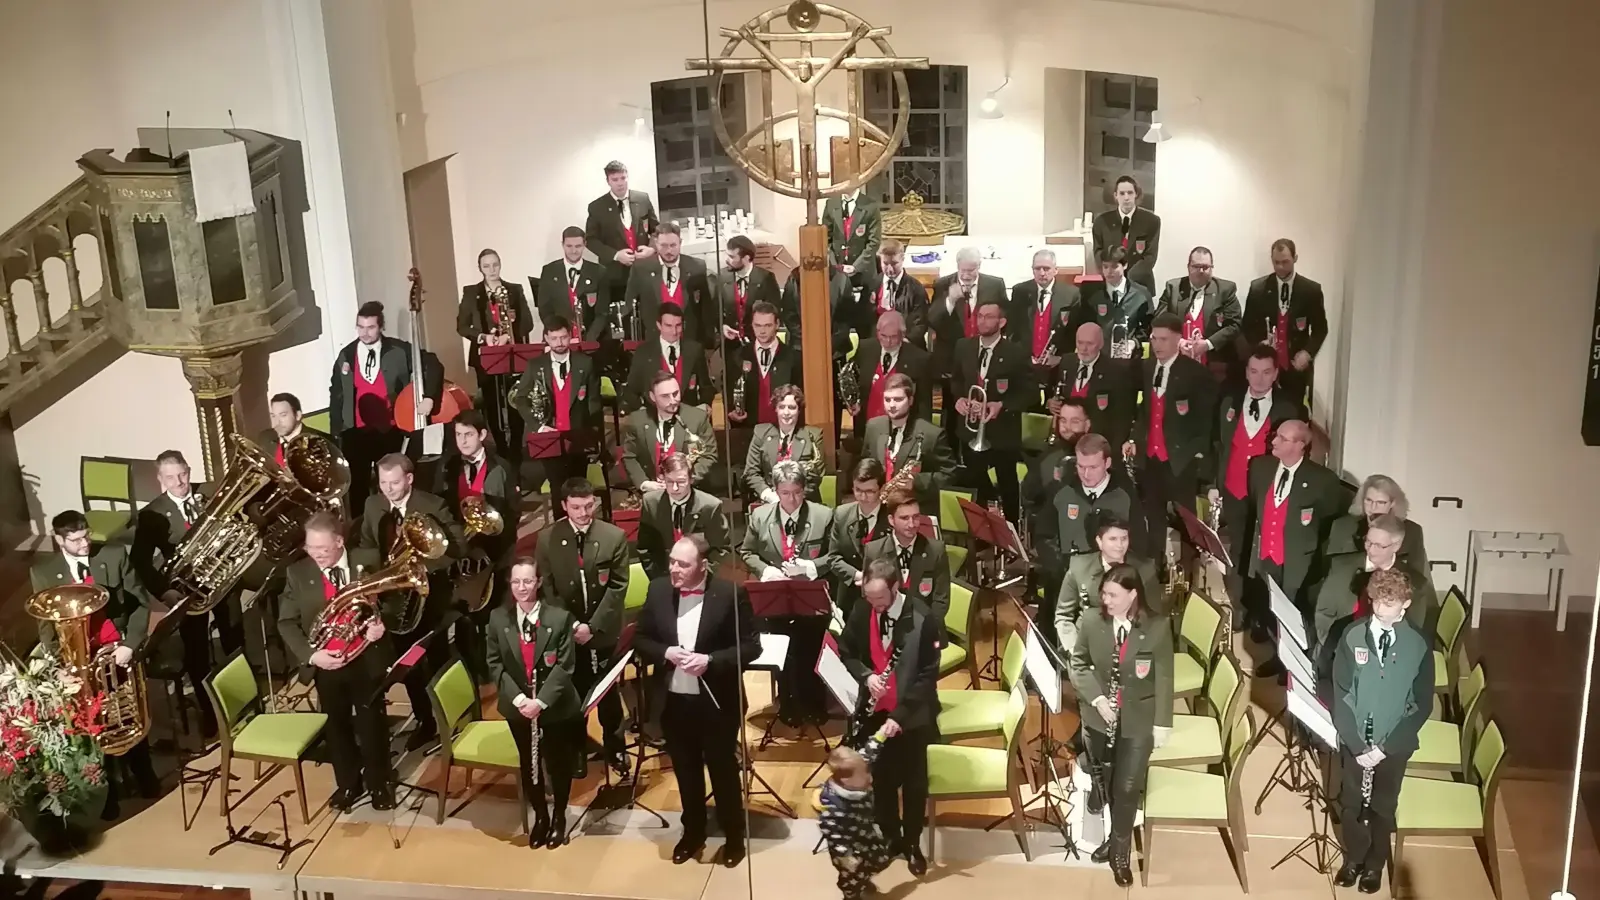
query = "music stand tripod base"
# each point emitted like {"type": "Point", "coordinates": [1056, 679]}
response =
{"type": "Point", "coordinates": [640, 749]}
{"type": "Point", "coordinates": [236, 835]}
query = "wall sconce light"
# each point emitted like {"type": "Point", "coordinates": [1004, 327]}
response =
{"type": "Point", "coordinates": [989, 106]}
{"type": "Point", "coordinates": [1156, 133]}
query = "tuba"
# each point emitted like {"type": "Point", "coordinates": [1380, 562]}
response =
{"type": "Point", "coordinates": [125, 713]}
{"type": "Point", "coordinates": [418, 539]}
{"type": "Point", "coordinates": [259, 510]}
{"type": "Point", "coordinates": [344, 620]}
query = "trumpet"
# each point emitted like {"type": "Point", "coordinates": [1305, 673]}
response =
{"type": "Point", "coordinates": [977, 410]}
{"type": "Point", "coordinates": [1049, 351]}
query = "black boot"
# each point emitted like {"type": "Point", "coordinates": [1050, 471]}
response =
{"type": "Point", "coordinates": [1121, 868]}
{"type": "Point", "coordinates": [1102, 853]}
{"type": "Point", "coordinates": [1348, 873]}
{"type": "Point", "coordinates": [540, 831]}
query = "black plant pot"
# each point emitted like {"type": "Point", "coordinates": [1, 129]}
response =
{"type": "Point", "coordinates": [62, 835]}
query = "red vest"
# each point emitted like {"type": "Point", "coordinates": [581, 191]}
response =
{"type": "Point", "coordinates": [880, 661]}
{"type": "Point", "coordinates": [738, 305]}
{"type": "Point", "coordinates": [677, 368]}
{"type": "Point", "coordinates": [277, 453]}
{"type": "Point", "coordinates": [627, 233]}
{"type": "Point", "coordinates": [663, 450]}
{"type": "Point", "coordinates": [334, 645]}
{"type": "Point", "coordinates": [1078, 392]}
{"type": "Point", "coordinates": [764, 411]}
{"type": "Point", "coordinates": [562, 397]}
{"type": "Point", "coordinates": [376, 389]}
{"type": "Point", "coordinates": [969, 324]}
{"type": "Point", "coordinates": [1273, 517]}
{"type": "Point", "coordinates": [1244, 449]}
{"type": "Point", "coordinates": [1041, 330]}
{"type": "Point", "coordinates": [1281, 339]}
{"type": "Point", "coordinates": [530, 649]}
{"type": "Point", "coordinates": [875, 390]}
{"type": "Point", "coordinates": [474, 488]}
{"type": "Point", "coordinates": [676, 294]}
{"type": "Point", "coordinates": [1156, 441]}
{"type": "Point", "coordinates": [1194, 328]}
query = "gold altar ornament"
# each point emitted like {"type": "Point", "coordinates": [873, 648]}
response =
{"type": "Point", "coordinates": [914, 223]}
{"type": "Point", "coordinates": [868, 147]}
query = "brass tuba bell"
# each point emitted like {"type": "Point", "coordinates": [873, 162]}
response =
{"type": "Point", "coordinates": [125, 713]}
{"type": "Point", "coordinates": [419, 538]}
{"type": "Point", "coordinates": [342, 624]}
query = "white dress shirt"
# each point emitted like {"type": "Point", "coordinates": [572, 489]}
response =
{"type": "Point", "coordinates": [556, 362]}
{"type": "Point", "coordinates": [897, 608]}
{"type": "Point", "coordinates": [1378, 630]}
{"type": "Point", "coordinates": [670, 275]}
{"type": "Point", "coordinates": [809, 567]}
{"type": "Point", "coordinates": [1085, 372]}
{"type": "Point", "coordinates": [627, 211]}
{"type": "Point", "coordinates": [772, 355]}
{"type": "Point", "coordinates": [343, 565]}
{"type": "Point", "coordinates": [73, 562]}
{"type": "Point", "coordinates": [184, 504]}
{"type": "Point", "coordinates": [1163, 376]}
{"type": "Point", "coordinates": [1122, 628]}
{"type": "Point", "coordinates": [671, 345]}
{"type": "Point", "coordinates": [950, 295]}
{"type": "Point", "coordinates": [1252, 424]}
{"type": "Point", "coordinates": [1115, 292]}
{"type": "Point", "coordinates": [1280, 494]}
{"type": "Point", "coordinates": [1279, 285]}
{"type": "Point", "coordinates": [983, 370]}
{"type": "Point", "coordinates": [690, 608]}
{"type": "Point", "coordinates": [367, 361]}
{"type": "Point", "coordinates": [1093, 492]}
{"type": "Point", "coordinates": [400, 507]}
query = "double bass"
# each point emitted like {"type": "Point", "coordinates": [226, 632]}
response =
{"type": "Point", "coordinates": [408, 416]}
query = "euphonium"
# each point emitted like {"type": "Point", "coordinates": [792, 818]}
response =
{"type": "Point", "coordinates": [478, 517]}
{"type": "Point", "coordinates": [347, 614]}
{"type": "Point", "coordinates": [419, 538]}
{"type": "Point", "coordinates": [259, 510]}
{"type": "Point", "coordinates": [125, 713]}
{"type": "Point", "coordinates": [977, 409]}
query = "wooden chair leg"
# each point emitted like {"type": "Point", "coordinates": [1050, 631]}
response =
{"type": "Point", "coordinates": [257, 770]}
{"type": "Point", "coordinates": [300, 789]}
{"type": "Point", "coordinates": [444, 792]}
{"type": "Point", "coordinates": [1144, 870]}
{"type": "Point", "coordinates": [1019, 822]}
{"type": "Point", "coordinates": [226, 769]}
{"type": "Point", "coordinates": [1239, 867]}
{"type": "Point", "coordinates": [1492, 850]}
{"type": "Point", "coordinates": [1395, 860]}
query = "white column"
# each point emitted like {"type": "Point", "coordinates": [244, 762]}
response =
{"type": "Point", "coordinates": [1381, 322]}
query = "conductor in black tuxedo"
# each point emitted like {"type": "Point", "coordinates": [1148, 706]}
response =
{"type": "Point", "coordinates": [1135, 230]}
{"type": "Point", "coordinates": [699, 632]}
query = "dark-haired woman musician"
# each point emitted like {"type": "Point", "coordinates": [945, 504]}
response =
{"type": "Point", "coordinates": [784, 439]}
{"type": "Point", "coordinates": [1122, 671]}
{"type": "Point", "coordinates": [494, 312]}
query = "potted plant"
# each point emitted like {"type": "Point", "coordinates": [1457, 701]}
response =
{"type": "Point", "coordinates": [52, 772]}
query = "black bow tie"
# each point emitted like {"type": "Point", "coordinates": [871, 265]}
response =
{"type": "Point", "coordinates": [527, 631]}
{"type": "Point", "coordinates": [83, 571]}
{"type": "Point", "coordinates": [1255, 407]}
{"type": "Point", "coordinates": [789, 526]}
{"type": "Point", "coordinates": [620, 205]}
{"type": "Point", "coordinates": [336, 577]}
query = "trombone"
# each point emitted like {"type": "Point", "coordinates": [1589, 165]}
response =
{"type": "Point", "coordinates": [977, 411]}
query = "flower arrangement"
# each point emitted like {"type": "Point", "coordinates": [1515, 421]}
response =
{"type": "Point", "coordinates": [49, 760]}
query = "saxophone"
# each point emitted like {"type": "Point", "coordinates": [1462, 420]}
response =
{"type": "Point", "coordinates": [502, 312]}
{"type": "Point", "coordinates": [905, 477]}
{"type": "Point", "coordinates": [125, 713]}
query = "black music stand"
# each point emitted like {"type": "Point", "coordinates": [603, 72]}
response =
{"type": "Point", "coordinates": [602, 800]}
{"type": "Point", "coordinates": [1208, 542]}
{"type": "Point", "coordinates": [792, 598]}
{"type": "Point", "coordinates": [845, 690]}
{"type": "Point", "coordinates": [991, 527]}
{"type": "Point", "coordinates": [396, 674]}
{"type": "Point", "coordinates": [507, 359]}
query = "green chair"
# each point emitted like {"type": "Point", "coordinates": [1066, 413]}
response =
{"type": "Point", "coordinates": [828, 489]}
{"type": "Point", "coordinates": [1436, 807]}
{"type": "Point", "coordinates": [1035, 431]}
{"type": "Point", "coordinates": [1441, 745]}
{"type": "Point", "coordinates": [108, 481]}
{"type": "Point", "coordinates": [1447, 636]}
{"type": "Point", "coordinates": [1197, 740]}
{"type": "Point", "coordinates": [951, 521]}
{"type": "Point", "coordinates": [957, 557]}
{"type": "Point", "coordinates": [958, 622]}
{"type": "Point", "coordinates": [962, 772]}
{"type": "Point", "coordinates": [1199, 635]}
{"type": "Point", "coordinates": [973, 713]}
{"type": "Point", "coordinates": [855, 344]}
{"type": "Point", "coordinates": [1184, 797]}
{"type": "Point", "coordinates": [321, 420]}
{"type": "Point", "coordinates": [245, 732]}
{"type": "Point", "coordinates": [638, 586]}
{"type": "Point", "coordinates": [467, 741]}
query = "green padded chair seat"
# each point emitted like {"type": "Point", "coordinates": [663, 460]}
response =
{"type": "Point", "coordinates": [967, 770]}
{"type": "Point", "coordinates": [951, 657]}
{"type": "Point", "coordinates": [485, 743]}
{"type": "Point", "coordinates": [1438, 746]}
{"type": "Point", "coordinates": [1430, 803]}
{"type": "Point", "coordinates": [279, 735]}
{"type": "Point", "coordinates": [1188, 676]}
{"type": "Point", "coordinates": [1193, 738]}
{"type": "Point", "coordinates": [608, 388]}
{"type": "Point", "coordinates": [103, 523]}
{"type": "Point", "coordinates": [1441, 674]}
{"type": "Point", "coordinates": [970, 713]}
{"type": "Point", "coordinates": [1182, 794]}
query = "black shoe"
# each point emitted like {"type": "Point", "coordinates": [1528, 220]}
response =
{"type": "Point", "coordinates": [1272, 668]}
{"type": "Point", "coordinates": [112, 810]}
{"type": "Point", "coordinates": [383, 800]}
{"type": "Point", "coordinates": [733, 853]}
{"type": "Point", "coordinates": [1371, 880]}
{"type": "Point", "coordinates": [1259, 633]}
{"type": "Point", "coordinates": [1121, 870]}
{"type": "Point", "coordinates": [422, 737]}
{"type": "Point", "coordinates": [915, 861]}
{"type": "Point", "coordinates": [1097, 803]}
{"type": "Point", "coordinates": [539, 833]}
{"type": "Point", "coordinates": [344, 799]}
{"type": "Point", "coordinates": [618, 761]}
{"type": "Point", "coordinates": [688, 848]}
{"type": "Point", "coordinates": [558, 832]}
{"type": "Point", "coordinates": [1347, 875]}
{"type": "Point", "coordinates": [149, 785]}
{"type": "Point", "coordinates": [1102, 853]}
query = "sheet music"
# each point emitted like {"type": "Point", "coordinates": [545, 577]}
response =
{"type": "Point", "coordinates": [840, 683]}
{"type": "Point", "coordinates": [605, 684]}
{"type": "Point", "coordinates": [1297, 662]}
{"type": "Point", "coordinates": [774, 649]}
{"type": "Point", "coordinates": [1290, 621]}
{"type": "Point", "coordinates": [1036, 663]}
{"type": "Point", "coordinates": [1306, 709]}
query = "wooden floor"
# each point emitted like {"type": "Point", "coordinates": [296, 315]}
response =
{"type": "Point", "coordinates": [479, 851]}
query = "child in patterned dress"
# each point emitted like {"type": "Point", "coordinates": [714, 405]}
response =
{"type": "Point", "coordinates": [849, 820]}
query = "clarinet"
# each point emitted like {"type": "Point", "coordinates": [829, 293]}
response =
{"type": "Point", "coordinates": [1115, 697]}
{"type": "Point", "coordinates": [1366, 782]}
{"type": "Point", "coordinates": [583, 584]}
{"type": "Point", "coordinates": [867, 708]}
